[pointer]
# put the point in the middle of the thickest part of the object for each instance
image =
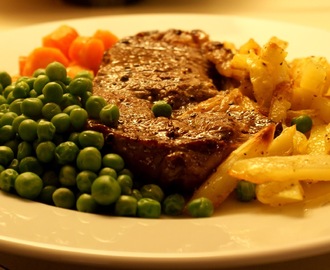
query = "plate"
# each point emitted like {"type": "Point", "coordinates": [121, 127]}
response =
{"type": "Point", "coordinates": [238, 234]}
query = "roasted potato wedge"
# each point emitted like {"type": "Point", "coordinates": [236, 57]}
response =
{"type": "Point", "coordinates": [220, 184]}
{"type": "Point", "coordinates": [279, 193]}
{"type": "Point", "coordinates": [259, 170]}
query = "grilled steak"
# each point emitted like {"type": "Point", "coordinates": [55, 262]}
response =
{"type": "Point", "coordinates": [206, 125]}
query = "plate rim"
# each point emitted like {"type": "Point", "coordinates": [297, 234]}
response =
{"type": "Point", "coordinates": [230, 260]}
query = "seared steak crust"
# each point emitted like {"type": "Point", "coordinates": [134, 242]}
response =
{"type": "Point", "coordinates": [206, 125]}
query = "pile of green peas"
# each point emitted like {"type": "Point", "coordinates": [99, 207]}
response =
{"type": "Point", "coordinates": [47, 155]}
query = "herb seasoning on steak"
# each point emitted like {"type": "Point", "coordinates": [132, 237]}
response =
{"type": "Point", "coordinates": [207, 123]}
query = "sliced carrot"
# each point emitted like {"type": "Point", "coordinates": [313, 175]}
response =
{"type": "Point", "coordinates": [107, 37]}
{"type": "Point", "coordinates": [61, 38]}
{"type": "Point", "coordinates": [73, 69]}
{"type": "Point", "coordinates": [21, 63]}
{"type": "Point", "coordinates": [94, 53]}
{"type": "Point", "coordinates": [42, 56]}
{"type": "Point", "coordinates": [76, 49]}
{"type": "Point", "coordinates": [87, 52]}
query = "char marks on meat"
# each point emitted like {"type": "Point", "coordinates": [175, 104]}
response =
{"type": "Point", "coordinates": [207, 123]}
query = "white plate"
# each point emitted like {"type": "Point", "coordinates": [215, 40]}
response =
{"type": "Point", "coordinates": [239, 234]}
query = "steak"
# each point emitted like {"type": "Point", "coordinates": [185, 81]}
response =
{"type": "Point", "coordinates": [208, 122]}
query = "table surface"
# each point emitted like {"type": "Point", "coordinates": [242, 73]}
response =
{"type": "Point", "coordinates": [316, 13]}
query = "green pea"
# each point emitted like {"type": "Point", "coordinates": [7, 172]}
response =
{"type": "Point", "coordinates": [74, 137]}
{"type": "Point", "coordinates": [66, 152]}
{"type": "Point", "coordinates": [32, 107]}
{"type": "Point", "coordinates": [64, 197]}
{"type": "Point", "coordinates": [45, 130]}
{"type": "Point", "coordinates": [114, 161]}
{"type": "Point", "coordinates": [53, 92]}
{"type": "Point", "coordinates": [30, 164]}
{"type": "Point", "coordinates": [42, 98]}
{"type": "Point", "coordinates": [105, 190]}
{"type": "Point", "coordinates": [94, 105]}
{"type": "Point", "coordinates": [84, 181]}
{"type": "Point", "coordinates": [70, 108]}
{"type": "Point", "coordinates": [15, 106]}
{"type": "Point", "coordinates": [126, 206]}
{"type": "Point", "coordinates": [38, 72]}
{"type": "Point", "coordinates": [79, 86]}
{"type": "Point", "coordinates": [200, 207]}
{"type": "Point", "coordinates": [68, 100]}
{"type": "Point", "coordinates": [7, 179]}
{"type": "Point", "coordinates": [40, 83]}
{"type": "Point", "coordinates": [126, 171]}
{"type": "Point", "coordinates": [63, 85]}
{"type": "Point", "coordinates": [14, 164]}
{"type": "Point", "coordinates": [6, 155]}
{"type": "Point", "coordinates": [30, 81]}
{"type": "Point", "coordinates": [148, 208]}
{"type": "Point", "coordinates": [34, 94]}
{"type": "Point", "coordinates": [84, 74]}
{"type": "Point", "coordinates": [67, 80]}
{"type": "Point", "coordinates": [27, 79]}
{"type": "Point", "coordinates": [5, 79]}
{"type": "Point", "coordinates": [7, 133]}
{"type": "Point", "coordinates": [7, 118]}
{"type": "Point", "coordinates": [136, 194]}
{"type": "Point", "coordinates": [10, 99]}
{"type": "Point", "coordinates": [85, 203]}
{"type": "Point", "coordinates": [17, 121]}
{"type": "Point", "coordinates": [49, 110]}
{"type": "Point", "coordinates": [46, 194]}
{"type": "Point", "coordinates": [28, 185]}
{"type": "Point", "coordinates": [45, 151]}
{"type": "Point", "coordinates": [7, 90]}
{"type": "Point", "coordinates": [152, 191]}
{"type": "Point", "coordinates": [27, 130]}
{"type": "Point", "coordinates": [126, 184]}
{"type": "Point", "coordinates": [85, 97]}
{"type": "Point", "coordinates": [4, 108]}
{"type": "Point", "coordinates": [61, 122]}
{"type": "Point", "coordinates": [78, 118]}
{"type": "Point", "coordinates": [67, 176]}
{"type": "Point", "coordinates": [109, 115]}
{"type": "Point", "coordinates": [303, 123]}
{"type": "Point", "coordinates": [91, 138]}
{"type": "Point", "coordinates": [174, 204]}
{"type": "Point", "coordinates": [3, 100]}
{"type": "Point", "coordinates": [161, 108]}
{"type": "Point", "coordinates": [21, 90]}
{"type": "Point", "coordinates": [56, 71]}
{"type": "Point", "coordinates": [245, 191]}
{"type": "Point", "coordinates": [108, 171]}
{"type": "Point", "coordinates": [89, 159]}
{"type": "Point", "coordinates": [24, 149]}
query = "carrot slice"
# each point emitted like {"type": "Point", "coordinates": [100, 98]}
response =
{"type": "Point", "coordinates": [61, 38]}
{"type": "Point", "coordinates": [76, 49]}
{"type": "Point", "coordinates": [21, 63]}
{"type": "Point", "coordinates": [107, 37]}
{"type": "Point", "coordinates": [87, 52]}
{"type": "Point", "coordinates": [73, 69]}
{"type": "Point", "coordinates": [42, 56]}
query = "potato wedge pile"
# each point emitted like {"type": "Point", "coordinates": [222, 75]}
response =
{"type": "Point", "coordinates": [281, 167]}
